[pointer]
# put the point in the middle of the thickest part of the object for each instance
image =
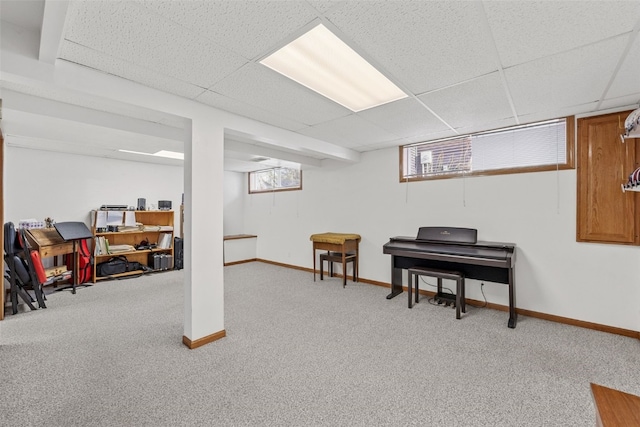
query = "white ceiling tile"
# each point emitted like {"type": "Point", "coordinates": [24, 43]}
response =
{"type": "Point", "coordinates": [246, 27]}
{"type": "Point", "coordinates": [405, 117]}
{"type": "Point", "coordinates": [430, 136]}
{"type": "Point", "coordinates": [470, 104]}
{"type": "Point", "coordinates": [630, 101]}
{"type": "Point", "coordinates": [558, 112]}
{"type": "Point", "coordinates": [379, 145]}
{"type": "Point", "coordinates": [349, 131]}
{"type": "Point", "coordinates": [235, 165]}
{"type": "Point", "coordinates": [425, 45]}
{"type": "Point", "coordinates": [527, 30]}
{"type": "Point", "coordinates": [572, 78]}
{"type": "Point", "coordinates": [628, 78]}
{"type": "Point", "coordinates": [262, 87]}
{"type": "Point", "coordinates": [487, 125]}
{"type": "Point", "coordinates": [78, 54]}
{"type": "Point", "coordinates": [324, 6]}
{"type": "Point", "coordinates": [243, 109]}
{"type": "Point", "coordinates": [25, 14]}
{"type": "Point", "coordinates": [558, 58]}
{"type": "Point", "coordinates": [140, 37]}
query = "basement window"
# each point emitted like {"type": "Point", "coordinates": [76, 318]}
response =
{"type": "Point", "coordinates": [275, 179]}
{"type": "Point", "coordinates": [535, 147]}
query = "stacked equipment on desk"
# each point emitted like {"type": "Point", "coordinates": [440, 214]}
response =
{"type": "Point", "coordinates": [160, 261]}
{"type": "Point", "coordinates": [145, 237]}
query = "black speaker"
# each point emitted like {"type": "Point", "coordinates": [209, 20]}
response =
{"type": "Point", "coordinates": [178, 253]}
{"type": "Point", "coordinates": [142, 204]}
{"type": "Point", "coordinates": [164, 205]}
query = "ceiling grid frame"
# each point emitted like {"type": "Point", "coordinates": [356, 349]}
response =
{"type": "Point", "coordinates": [576, 35]}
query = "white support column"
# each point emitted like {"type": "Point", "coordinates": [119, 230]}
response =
{"type": "Point", "coordinates": [55, 13]}
{"type": "Point", "coordinates": [203, 182]}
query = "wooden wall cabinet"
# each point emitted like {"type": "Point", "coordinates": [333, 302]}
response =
{"type": "Point", "coordinates": [606, 214]}
{"type": "Point", "coordinates": [156, 222]}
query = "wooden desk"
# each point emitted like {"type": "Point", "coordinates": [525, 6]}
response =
{"type": "Point", "coordinates": [615, 408]}
{"type": "Point", "coordinates": [336, 242]}
{"type": "Point", "coordinates": [48, 242]}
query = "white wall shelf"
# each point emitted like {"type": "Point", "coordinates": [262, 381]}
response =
{"type": "Point", "coordinates": [625, 188]}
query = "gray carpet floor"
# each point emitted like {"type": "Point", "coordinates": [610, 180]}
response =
{"type": "Point", "coordinates": [297, 353]}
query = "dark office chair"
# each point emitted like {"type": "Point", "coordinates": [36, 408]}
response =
{"type": "Point", "coordinates": [16, 272]}
{"type": "Point", "coordinates": [21, 270]}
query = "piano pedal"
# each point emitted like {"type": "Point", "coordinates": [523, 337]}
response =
{"type": "Point", "coordinates": [446, 300]}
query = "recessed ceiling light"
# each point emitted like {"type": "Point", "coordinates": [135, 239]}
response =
{"type": "Point", "coordinates": [322, 62]}
{"type": "Point", "coordinates": [169, 154]}
{"type": "Point", "coordinates": [136, 152]}
{"type": "Point", "coordinates": [161, 153]}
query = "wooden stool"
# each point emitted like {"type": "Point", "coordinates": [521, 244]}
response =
{"type": "Point", "coordinates": [336, 242]}
{"type": "Point", "coordinates": [332, 257]}
{"type": "Point", "coordinates": [439, 274]}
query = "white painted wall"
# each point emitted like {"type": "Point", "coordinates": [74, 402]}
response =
{"type": "Point", "coordinates": [537, 211]}
{"type": "Point", "coordinates": [76, 187]}
{"type": "Point", "coordinates": [66, 187]}
{"type": "Point", "coordinates": [235, 185]}
{"type": "Point", "coordinates": [555, 275]}
{"type": "Point", "coordinates": [203, 166]}
{"type": "Point", "coordinates": [239, 249]}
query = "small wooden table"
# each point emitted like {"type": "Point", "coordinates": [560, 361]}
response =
{"type": "Point", "coordinates": [336, 242]}
{"type": "Point", "coordinates": [48, 242]}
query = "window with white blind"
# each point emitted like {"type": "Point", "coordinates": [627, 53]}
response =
{"type": "Point", "coordinates": [533, 147]}
{"type": "Point", "coordinates": [275, 179]}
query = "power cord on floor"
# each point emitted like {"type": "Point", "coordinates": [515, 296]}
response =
{"type": "Point", "coordinates": [432, 300]}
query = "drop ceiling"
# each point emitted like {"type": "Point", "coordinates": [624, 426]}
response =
{"type": "Point", "coordinates": [466, 65]}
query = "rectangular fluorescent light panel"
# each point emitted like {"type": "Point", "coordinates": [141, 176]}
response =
{"type": "Point", "coordinates": [169, 154]}
{"type": "Point", "coordinates": [322, 62]}
{"type": "Point", "coordinates": [161, 153]}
